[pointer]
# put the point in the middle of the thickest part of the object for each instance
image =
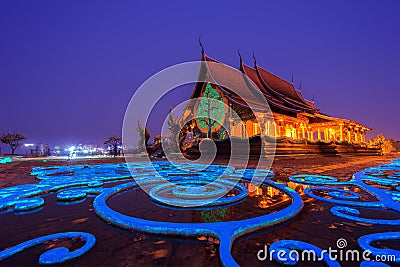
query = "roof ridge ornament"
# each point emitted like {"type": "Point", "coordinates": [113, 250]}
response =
{"type": "Point", "coordinates": [240, 56]}
{"type": "Point", "coordinates": [241, 61]}
{"type": "Point", "coordinates": [255, 60]}
{"type": "Point", "coordinates": [201, 45]}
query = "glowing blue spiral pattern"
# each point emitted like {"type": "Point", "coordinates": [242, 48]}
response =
{"type": "Point", "coordinates": [381, 183]}
{"type": "Point", "coordinates": [54, 255]}
{"type": "Point", "coordinates": [72, 184]}
{"type": "Point", "coordinates": [226, 232]}
{"type": "Point", "coordinates": [387, 198]}
{"type": "Point", "coordinates": [5, 160]}
{"type": "Point", "coordinates": [308, 179]}
{"type": "Point", "coordinates": [192, 191]}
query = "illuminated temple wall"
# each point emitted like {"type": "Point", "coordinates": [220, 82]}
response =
{"type": "Point", "coordinates": [301, 127]}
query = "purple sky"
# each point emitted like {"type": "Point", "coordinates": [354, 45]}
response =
{"type": "Point", "coordinates": [68, 69]}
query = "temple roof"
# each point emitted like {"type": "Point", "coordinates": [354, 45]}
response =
{"type": "Point", "coordinates": [246, 90]}
{"type": "Point", "coordinates": [279, 85]}
{"type": "Point", "coordinates": [236, 85]}
{"type": "Point", "coordinates": [272, 100]}
{"type": "Point", "coordinates": [282, 90]}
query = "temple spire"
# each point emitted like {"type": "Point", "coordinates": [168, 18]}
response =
{"type": "Point", "coordinates": [292, 78]}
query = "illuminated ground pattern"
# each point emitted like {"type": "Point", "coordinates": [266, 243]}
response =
{"type": "Point", "coordinates": [72, 184]}
{"type": "Point", "coordinates": [5, 160]}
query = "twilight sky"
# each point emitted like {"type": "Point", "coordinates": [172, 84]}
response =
{"type": "Point", "coordinates": [69, 68]}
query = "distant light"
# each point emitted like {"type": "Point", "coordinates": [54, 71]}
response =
{"type": "Point", "coordinates": [71, 149]}
{"type": "Point", "coordinates": [28, 145]}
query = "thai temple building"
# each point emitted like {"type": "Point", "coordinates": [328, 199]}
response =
{"type": "Point", "coordinates": [292, 122]}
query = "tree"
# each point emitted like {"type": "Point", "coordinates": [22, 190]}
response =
{"type": "Point", "coordinates": [144, 136]}
{"type": "Point", "coordinates": [175, 127]}
{"type": "Point", "coordinates": [115, 141]}
{"type": "Point", "coordinates": [13, 140]}
{"type": "Point", "coordinates": [210, 111]}
{"type": "Point", "coordinates": [386, 145]}
{"type": "Point", "coordinates": [396, 144]}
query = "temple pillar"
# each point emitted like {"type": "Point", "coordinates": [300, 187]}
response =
{"type": "Point", "coordinates": [298, 133]}
{"type": "Point", "coordinates": [303, 132]}
{"type": "Point", "coordinates": [243, 129]}
{"type": "Point", "coordinates": [319, 134]}
{"type": "Point", "coordinates": [274, 129]}
{"type": "Point", "coordinates": [349, 135]}
{"type": "Point", "coordinates": [287, 130]}
{"type": "Point", "coordinates": [282, 129]}
{"type": "Point", "coordinates": [230, 127]}
{"type": "Point", "coordinates": [341, 133]}
{"type": "Point", "coordinates": [277, 130]}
